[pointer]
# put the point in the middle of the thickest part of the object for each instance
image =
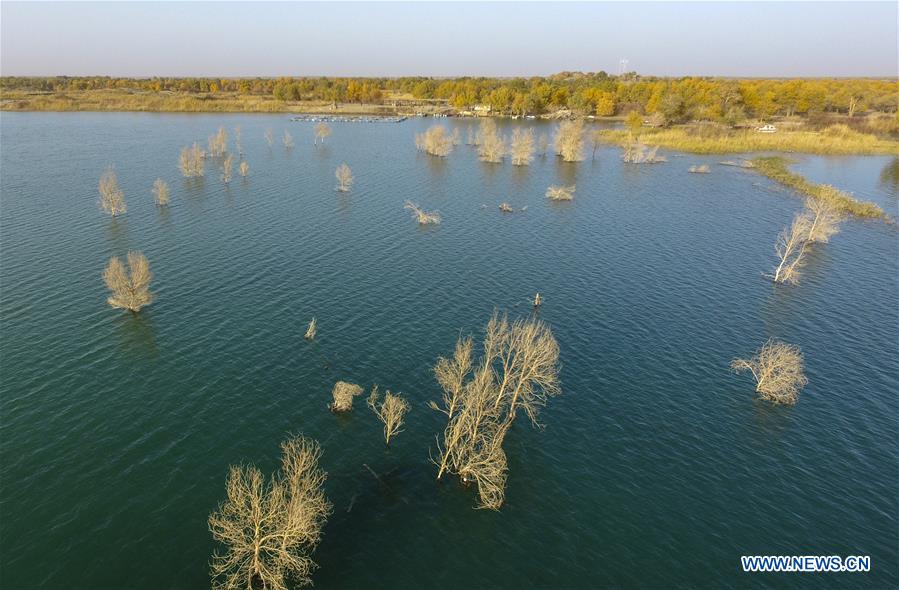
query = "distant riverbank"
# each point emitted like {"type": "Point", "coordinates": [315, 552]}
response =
{"type": "Point", "coordinates": [702, 139]}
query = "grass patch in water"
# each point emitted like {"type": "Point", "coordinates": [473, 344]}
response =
{"type": "Point", "coordinates": [776, 168]}
{"type": "Point", "coordinates": [710, 139]}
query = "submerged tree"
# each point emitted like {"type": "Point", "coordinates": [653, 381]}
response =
{"type": "Point", "coordinates": [129, 288]}
{"type": "Point", "coordinates": [227, 165]}
{"type": "Point", "coordinates": [778, 371]}
{"type": "Point", "coordinates": [570, 140]}
{"type": "Point", "coordinates": [310, 331]}
{"type": "Point", "coordinates": [561, 193]}
{"type": "Point", "coordinates": [700, 169]}
{"type": "Point", "coordinates": [491, 147]}
{"type": "Point", "coordinates": [391, 412]}
{"type": "Point", "coordinates": [191, 162]}
{"type": "Point", "coordinates": [518, 371]}
{"type": "Point", "coordinates": [635, 152]}
{"type": "Point", "coordinates": [238, 144]}
{"type": "Point", "coordinates": [595, 140]}
{"type": "Point", "coordinates": [269, 137]}
{"type": "Point", "coordinates": [343, 394]}
{"type": "Point", "coordinates": [322, 130]}
{"type": "Point", "coordinates": [218, 143]}
{"type": "Point", "coordinates": [244, 169]}
{"type": "Point", "coordinates": [112, 198]}
{"type": "Point", "coordinates": [344, 178]}
{"type": "Point", "coordinates": [825, 220]}
{"type": "Point", "coordinates": [270, 528]}
{"type": "Point", "coordinates": [160, 192]}
{"type": "Point", "coordinates": [790, 248]}
{"type": "Point", "coordinates": [434, 141]}
{"type": "Point", "coordinates": [423, 217]}
{"type": "Point", "coordinates": [287, 139]}
{"type": "Point", "coordinates": [522, 150]}
{"type": "Point", "coordinates": [542, 144]}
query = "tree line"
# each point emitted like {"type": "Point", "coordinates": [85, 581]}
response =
{"type": "Point", "coordinates": [600, 94]}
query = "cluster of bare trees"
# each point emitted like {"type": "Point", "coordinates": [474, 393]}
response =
{"type": "Point", "coordinates": [423, 217]}
{"type": "Point", "coordinates": [435, 141]}
{"type": "Point", "coordinates": [817, 223]}
{"type": "Point", "coordinates": [269, 528]}
{"type": "Point", "coordinates": [518, 370]}
{"type": "Point", "coordinates": [129, 288]}
{"type": "Point", "coordinates": [112, 197]}
{"type": "Point", "coordinates": [777, 369]}
{"type": "Point", "coordinates": [344, 178]}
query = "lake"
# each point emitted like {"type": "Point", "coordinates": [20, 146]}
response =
{"type": "Point", "coordinates": [658, 467]}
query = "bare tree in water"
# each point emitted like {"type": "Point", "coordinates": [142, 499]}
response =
{"type": "Point", "coordinates": [270, 528]}
{"type": "Point", "coordinates": [778, 371]}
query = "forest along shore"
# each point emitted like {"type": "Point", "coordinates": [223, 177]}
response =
{"type": "Point", "coordinates": [691, 114]}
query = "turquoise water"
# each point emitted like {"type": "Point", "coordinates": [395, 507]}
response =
{"type": "Point", "coordinates": [657, 467]}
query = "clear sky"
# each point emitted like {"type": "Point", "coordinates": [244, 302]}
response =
{"type": "Point", "coordinates": [442, 39]}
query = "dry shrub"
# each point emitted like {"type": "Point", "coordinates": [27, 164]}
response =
{"type": "Point", "coordinates": [130, 288]}
{"type": "Point", "coordinates": [570, 140]}
{"type": "Point", "coordinates": [522, 150]}
{"type": "Point", "coordinates": [344, 178]}
{"type": "Point", "coordinates": [636, 152]}
{"type": "Point", "coordinates": [506, 208]}
{"type": "Point", "coordinates": [423, 217]}
{"type": "Point", "coordinates": [518, 370]}
{"type": "Point", "coordinates": [561, 193]}
{"type": "Point", "coordinates": [343, 394]}
{"type": "Point", "coordinates": [160, 192]}
{"type": "Point", "coordinates": [391, 412]}
{"type": "Point", "coordinates": [112, 198]}
{"type": "Point", "coordinates": [434, 141]}
{"type": "Point", "coordinates": [191, 162]}
{"type": "Point", "coordinates": [311, 330]}
{"type": "Point", "coordinates": [778, 371]}
{"type": "Point", "coordinates": [270, 528]}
